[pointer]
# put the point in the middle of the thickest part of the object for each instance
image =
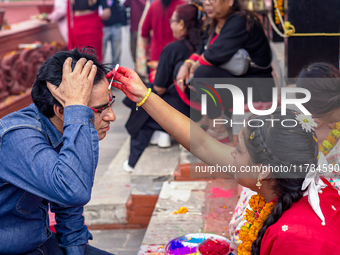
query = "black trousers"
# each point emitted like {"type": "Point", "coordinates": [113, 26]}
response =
{"type": "Point", "coordinates": [139, 143]}
{"type": "Point", "coordinates": [51, 247]}
{"type": "Point", "coordinates": [141, 139]}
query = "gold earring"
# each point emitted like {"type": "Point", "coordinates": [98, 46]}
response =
{"type": "Point", "coordinates": [258, 184]}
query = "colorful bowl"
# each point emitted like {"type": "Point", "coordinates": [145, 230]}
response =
{"type": "Point", "coordinates": [188, 244]}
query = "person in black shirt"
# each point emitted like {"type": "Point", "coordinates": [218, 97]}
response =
{"type": "Point", "coordinates": [232, 27]}
{"type": "Point", "coordinates": [186, 25]}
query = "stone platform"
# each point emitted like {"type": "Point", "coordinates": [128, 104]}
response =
{"type": "Point", "coordinates": [123, 200]}
{"type": "Point", "coordinates": [155, 166]}
{"type": "Point", "coordinates": [210, 206]}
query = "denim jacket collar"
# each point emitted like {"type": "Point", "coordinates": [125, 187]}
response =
{"type": "Point", "coordinates": [56, 138]}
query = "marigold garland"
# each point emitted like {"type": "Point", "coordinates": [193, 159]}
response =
{"type": "Point", "coordinates": [255, 218]}
{"type": "Point", "coordinates": [331, 139]}
{"type": "Point", "coordinates": [280, 7]}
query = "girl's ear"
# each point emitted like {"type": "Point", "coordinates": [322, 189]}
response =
{"type": "Point", "coordinates": [264, 172]}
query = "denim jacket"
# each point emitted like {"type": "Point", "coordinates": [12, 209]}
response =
{"type": "Point", "coordinates": [40, 166]}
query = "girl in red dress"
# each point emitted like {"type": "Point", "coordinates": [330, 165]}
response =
{"type": "Point", "coordinates": [297, 211]}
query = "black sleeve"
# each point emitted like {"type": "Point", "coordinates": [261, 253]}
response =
{"type": "Point", "coordinates": [81, 5]}
{"type": "Point", "coordinates": [170, 56]}
{"type": "Point", "coordinates": [204, 40]}
{"type": "Point", "coordinates": [103, 3]}
{"type": "Point", "coordinates": [232, 37]}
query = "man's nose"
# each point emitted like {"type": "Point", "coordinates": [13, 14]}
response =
{"type": "Point", "coordinates": [110, 115]}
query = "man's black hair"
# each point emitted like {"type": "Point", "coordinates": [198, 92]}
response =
{"type": "Point", "coordinates": [51, 71]}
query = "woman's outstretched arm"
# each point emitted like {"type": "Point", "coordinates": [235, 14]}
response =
{"type": "Point", "coordinates": [180, 127]}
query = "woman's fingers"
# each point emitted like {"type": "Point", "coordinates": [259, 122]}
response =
{"type": "Point", "coordinates": [121, 78]}
{"type": "Point", "coordinates": [187, 80]}
{"type": "Point", "coordinates": [132, 85]}
{"type": "Point", "coordinates": [117, 85]}
{"type": "Point", "coordinates": [122, 69]}
{"type": "Point", "coordinates": [192, 88]}
{"type": "Point", "coordinates": [181, 86]}
{"type": "Point", "coordinates": [180, 82]}
{"type": "Point", "coordinates": [183, 77]}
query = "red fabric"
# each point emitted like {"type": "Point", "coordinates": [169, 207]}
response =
{"type": "Point", "coordinates": [52, 221]}
{"type": "Point", "coordinates": [213, 90]}
{"type": "Point", "coordinates": [213, 39]}
{"type": "Point", "coordinates": [87, 30]}
{"type": "Point", "coordinates": [152, 75]}
{"type": "Point", "coordinates": [194, 57]}
{"type": "Point", "coordinates": [157, 21]}
{"type": "Point", "coordinates": [68, 14]}
{"type": "Point", "coordinates": [202, 61]}
{"type": "Point", "coordinates": [136, 12]}
{"type": "Point", "coordinates": [186, 100]}
{"type": "Point", "coordinates": [305, 234]}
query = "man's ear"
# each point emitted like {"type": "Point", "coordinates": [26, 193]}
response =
{"type": "Point", "coordinates": [59, 112]}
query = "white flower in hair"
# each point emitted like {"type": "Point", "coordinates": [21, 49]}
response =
{"type": "Point", "coordinates": [307, 122]}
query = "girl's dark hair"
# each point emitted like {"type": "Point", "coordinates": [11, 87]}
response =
{"type": "Point", "coordinates": [166, 3]}
{"type": "Point", "coordinates": [239, 8]}
{"type": "Point", "coordinates": [192, 18]}
{"type": "Point", "coordinates": [322, 80]}
{"type": "Point", "coordinates": [277, 145]}
{"type": "Point", "coordinates": [51, 71]}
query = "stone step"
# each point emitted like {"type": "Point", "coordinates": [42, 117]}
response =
{"type": "Point", "coordinates": [110, 193]}
{"type": "Point", "coordinates": [210, 206]}
{"type": "Point", "coordinates": [155, 166]}
{"type": "Point", "coordinates": [123, 200]}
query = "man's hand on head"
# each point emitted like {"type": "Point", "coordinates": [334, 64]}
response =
{"type": "Point", "coordinates": [76, 86]}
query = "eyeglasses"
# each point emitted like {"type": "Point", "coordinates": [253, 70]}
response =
{"type": "Point", "coordinates": [209, 1]}
{"type": "Point", "coordinates": [102, 112]}
{"type": "Point", "coordinates": [173, 20]}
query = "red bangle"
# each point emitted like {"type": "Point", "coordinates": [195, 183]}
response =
{"type": "Point", "coordinates": [147, 47]}
{"type": "Point", "coordinates": [203, 61]}
{"type": "Point", "coordinates": [194, 57]}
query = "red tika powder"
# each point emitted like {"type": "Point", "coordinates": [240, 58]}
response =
{"type": "Point", "coordinates": [214, 247]}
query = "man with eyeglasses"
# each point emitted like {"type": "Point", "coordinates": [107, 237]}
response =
{"type": "Point", "coordinates": [49, 154]}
